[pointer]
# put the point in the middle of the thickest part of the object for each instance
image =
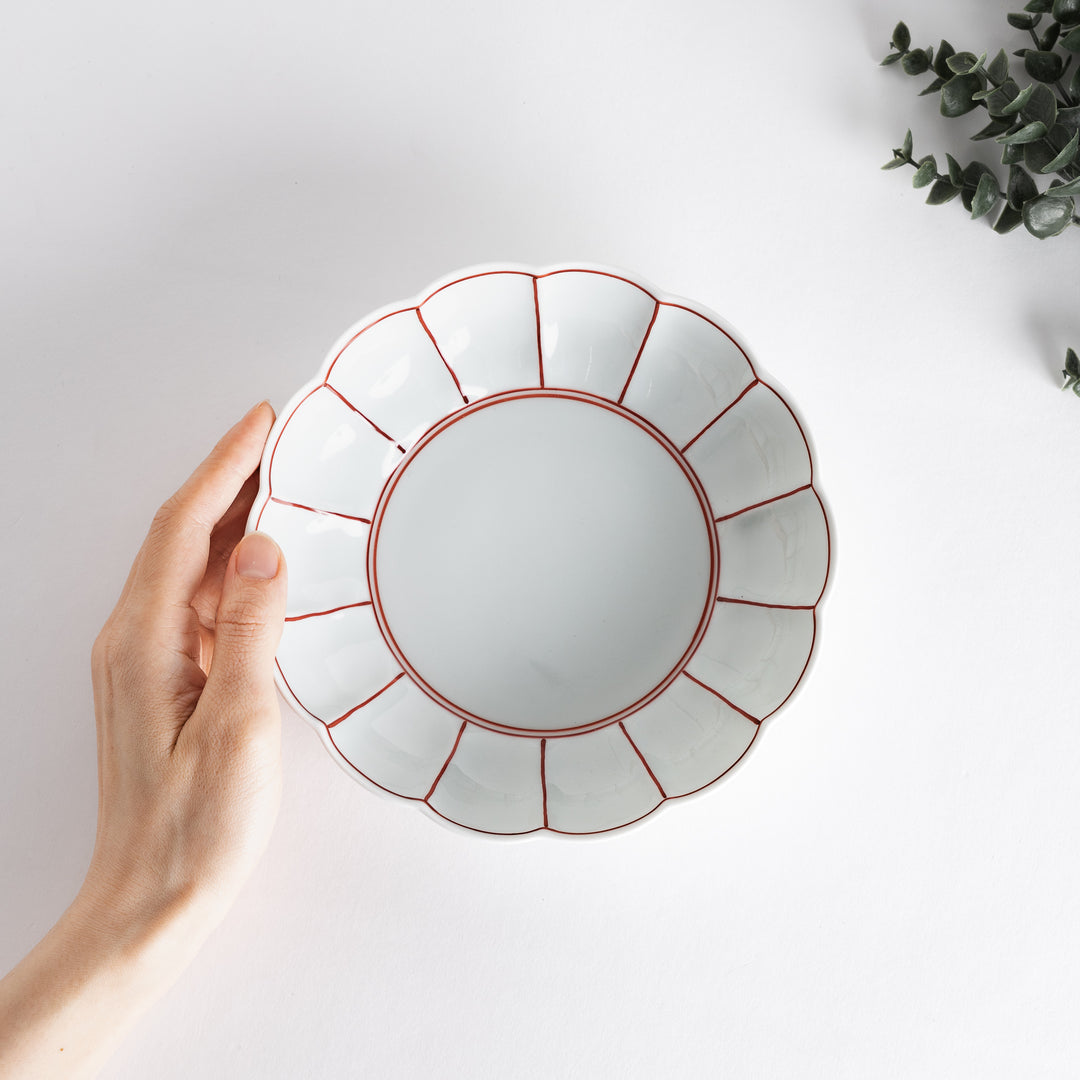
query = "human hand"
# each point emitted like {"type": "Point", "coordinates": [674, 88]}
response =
{"type": "Point", "coordinates": [189, 770]}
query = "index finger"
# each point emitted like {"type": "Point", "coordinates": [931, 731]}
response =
{"type": "Point", "coordinates": [173, 558]}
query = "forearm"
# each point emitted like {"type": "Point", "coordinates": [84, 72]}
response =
{"type": "Point", "coordinates": [71, 1001]}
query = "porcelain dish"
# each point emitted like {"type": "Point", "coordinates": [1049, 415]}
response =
{"type": "Point", "coordinates": [555, 549]}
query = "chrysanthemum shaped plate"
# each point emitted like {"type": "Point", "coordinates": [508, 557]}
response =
{"type": "Point", "coordinates": [554, 549]}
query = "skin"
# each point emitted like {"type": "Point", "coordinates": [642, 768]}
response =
{"type": "Point", "coordinates": [189, 770]}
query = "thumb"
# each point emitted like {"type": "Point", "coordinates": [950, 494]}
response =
{"type": "Point", "coordinates": [247, 631]}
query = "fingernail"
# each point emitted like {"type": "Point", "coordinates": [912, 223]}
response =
{"type": "Point", "coordinates": [257, 557]}
{"type": "Point", "coordinates": [255, 408]}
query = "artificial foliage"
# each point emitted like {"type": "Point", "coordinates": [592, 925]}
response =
{"type": "Point", "coordinates": [1034, 117]}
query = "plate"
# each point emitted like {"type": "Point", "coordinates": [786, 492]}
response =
{"type": "Point", "coordinates": [555, 549]}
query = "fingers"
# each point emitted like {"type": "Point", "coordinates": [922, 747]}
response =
{"type": "Point", "coordinates": [240, 686]}
{"type": "Point", "coordinates": [173, 560]}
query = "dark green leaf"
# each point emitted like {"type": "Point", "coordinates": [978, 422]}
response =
{"type": "Point", "coordinates": [993, 129]}
{"type": "Point", "coordinates": [1071, 188]}
{"type": "Point", "coordinates": [915, 62]}
{"type": "Point", "coordinates": [891, 59]}
{"type": "Point", "coordinates": [941, 59]}
{"type": "Point", "coordinates": [1020, 20]}
{"type": "Point", "coordinates": [1065, 157]}
{"type": "Point", "coordinates": [1042, 105]}
{"type": "Point", "coordinates": [1071, 40]}
{"type": "Point", "coordinates": [896, 162]}
{"type": "Point", "coordinates": [1036, 155]}
{"type": "Point", "coordinates": [1038, 5]}
{"type": "Point", "coordinates": [1007, 220]}
{"type": "Point", "coordinates": [956, 171]}
{"type": "Point", "coordinates": [933, 88]}
{"type": "Point", "coordinates": [986, 194]}
{"type": "Point", "coordinates": [1074, 83]}
{"type": "Point", "coordinates": [956, 95]}
{"type": "Point", "coordinates": [1049, 39]}
{"type": "Point", "coordinates": [907, 144]}
{"type": "Point", "coordinates": [1018, 102]}
{"type": "Point", "coordinates": [925, 174]}
{"type": "Point", "coordinates": [973, 175]}
{"type": "Point", "coordinates": [1072, 364]}
{"type": "Point", "coordinates": [1028, 133]}
{"type": "Point", "coordinates": [1044, 66]}
{"type": "Point", "coordinates": [1001, 97]}
{"type": "Point", "coordinates": [942, 192]}
{"type": "Point", "coordinates": [999, 68]}
{"type": "Point", "coordinates": [1013, 155]}
{"type": "Point", "coordinates": [901, 37]}
{"type": "Point", "coordinates": [1020, 187]}
{"type": "Point", "coordinates": [1047, 216]}
{"type": "Point", "coordinates": [1069, 118]}
{"type": "Point", "coordinates": [1067, 11]}
{"type": "Point", "coordinates": [962, 62]}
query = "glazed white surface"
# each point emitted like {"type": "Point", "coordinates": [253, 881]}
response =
{"type": "Point", "coordinates": [193, 208]}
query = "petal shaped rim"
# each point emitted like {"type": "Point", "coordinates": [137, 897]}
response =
{"type": "Point", "coordinates": [265, 495]}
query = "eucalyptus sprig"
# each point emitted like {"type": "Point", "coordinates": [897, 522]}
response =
{"type": "Point", "coordinates": [1037, 125]}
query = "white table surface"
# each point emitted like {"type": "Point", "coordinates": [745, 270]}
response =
{"type": "Point", "coordinates": [195, 201]}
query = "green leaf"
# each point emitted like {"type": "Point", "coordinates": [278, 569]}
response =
{"type": "Point", "coordinates": [1020, 187]}
{"type": "Point", "coordinates": [891, 59]}
{"type": "Point", "coordinates": [896, 162]}
{"type": "Point", "coordinates": [1074, 83]}
{"type": "Point", "coordinates": [1037, 154]}
{"type": "Point", "coordinates": [992, 130]}
{"type": "Point", "coordinates": [942, 192]}
{"type": "Point", "coordinates": [941, 59]}
{"type": "Point", "coordinates": [1065, 157]}
{"type": "Point", "coordinates": [933, 88]}
{"type": "Point", "coordinates": [925, 174]}
{"type": "Point", "coordinates": [1044, 66]}
{"type": "Point", "coordinates": [1019, 101]}
{"type": "Point", "coordinates": [1038, 5]}
{"type": "Point", "coordinates": [1013, 155]}
{"type": "Point", "coordinates": [956, 171]}
{"type": "Point", "coordinates": [1069, 118]}
{"type": "Point", "coordinates": [1072, 364]}
{"type": "Point", "coordinates": [999, 68]}
{"type": "Point", "coordinates": [907, 144]}
{"type": "Point", "coordinates": [1067, 11]}
{"type": "Point", "coordinates": [915, 62]}
{"type": "Point", "coordinates": [1028, 133]}
{"type": "Point", "coordinates": [1047, 216]}
{"type": "Point", "coordinates": [901, 37]}
{"type": "Point", "coordinates": [956, 95]}
{"type": "Point", "coordinates": [962, 63]}
{"type": "Point", "coordinates": [1071, 40]}
{"type": "Point", "coordinates": [999, 99]}
{"type": "Point", "coordinates": [986, 194]}
{"type": "Point", "coordinates": [1071, 188]}
{"type": "Point", "coordinates": [1020, 20]}
{"type": "Point", "coordinates": [1049, 39]}
{"type": "Point", "coordinates": [1007, 220]}
{"type": "Point", "coordinates": [973, 175]}
{"type": "Point", "coordinates": [1042, 105]}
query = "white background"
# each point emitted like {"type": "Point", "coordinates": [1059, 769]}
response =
{"type": "Point", "coordinates": [196, 200]}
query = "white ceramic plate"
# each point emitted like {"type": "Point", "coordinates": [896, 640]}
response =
{"type": "Point", "coordinates": [554, 549]}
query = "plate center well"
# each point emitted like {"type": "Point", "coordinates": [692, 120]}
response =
{"type": "Point", "coordinates": [543, 561]}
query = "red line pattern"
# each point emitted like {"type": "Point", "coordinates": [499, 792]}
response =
{"type": "Point", "coordinates": [721, 413]}
{"type": "Point", "coordinates": [764, 502]}
{"type": "Point", "coordinates": [729, 704]}
{"type": "Point", "coordinates": [329, 611]}
{"type": "Point", "coordinates": [367, 701]}
{"type": "Point", "coordinates": [269, 497]}
{"type": "Point", "coordinates": [648, 767]}
{"type": "Point", "coordinates": [641, 349]}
